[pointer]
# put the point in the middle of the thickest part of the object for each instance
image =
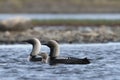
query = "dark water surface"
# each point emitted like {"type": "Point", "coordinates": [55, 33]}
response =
{"type": "Point", "coordinates": [105, 64]}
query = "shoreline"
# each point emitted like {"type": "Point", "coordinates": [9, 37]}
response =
{"type": "Point", "coordinates": [75, 22]}
{"type": "Point", "coordinates": [64, 34]}
{"type": "Point", "coordinates": [64, 31]}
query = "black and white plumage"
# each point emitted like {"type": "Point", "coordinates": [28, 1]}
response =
{"type": "Point", "coordinates": [35, 54]}
{"type": "Point", "coordinates": [54, 57]}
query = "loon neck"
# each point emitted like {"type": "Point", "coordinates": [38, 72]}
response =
{"type": "Point", "coordinates": [54, 51]}
{"type": "Point", "coordinates": [36, 48]}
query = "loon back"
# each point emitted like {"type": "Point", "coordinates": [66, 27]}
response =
{"type": "Point", "coordinates": [35, 58]}
{"type": "Point", "coordinates": [55, 58]}
{"type": "Point", "coordinates": [69, 60]}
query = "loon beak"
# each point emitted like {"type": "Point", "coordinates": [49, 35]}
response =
{"type": "Point", "coordinates": [26, 41]}
{"type": "Point", "coordinates": [44, 44]}
{"type": "Point", "coordinates": [22, 42]}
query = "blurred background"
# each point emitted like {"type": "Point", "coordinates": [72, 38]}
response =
{"type": "Point", "coordinates": [75, 24]}
{"type": "Point", "coordinates": [67, 21]}
{"type": "Point", "coordinates": [59, 6]}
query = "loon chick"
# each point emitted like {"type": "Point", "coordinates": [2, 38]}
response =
{"type": "Point", "coordinates": [35, 54]}
{"type": "Point", "coordinates": [54, 57]}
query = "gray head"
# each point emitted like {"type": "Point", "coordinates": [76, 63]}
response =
{"type": "Point", "coordinates": [36, 46]}
{"type": "Point", "coordinates": [32, 41]}
{"type": "Point", "coordinates": [54, 48]}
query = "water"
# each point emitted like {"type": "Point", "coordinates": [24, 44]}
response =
{"type": "Point", "coordinates": [105, 63]}
{"type": "Point", "coordinates": [63, 16]}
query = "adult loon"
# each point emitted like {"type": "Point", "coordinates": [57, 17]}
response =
{"type": "Point", "coordinates": [35, 54]}
{"type": "Point", "coordinates": [54, 57]}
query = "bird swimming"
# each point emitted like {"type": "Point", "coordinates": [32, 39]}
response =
{"type": "Point", "coordinates": [35, 54]}
{"type": "Point", "coordinates": [54, 57]}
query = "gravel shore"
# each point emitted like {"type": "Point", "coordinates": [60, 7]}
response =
{"type": "Point", "coordinates": [18, 29]}
{"type": "Point", "coordinates": [64, 34]}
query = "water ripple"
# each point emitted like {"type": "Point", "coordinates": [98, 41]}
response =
{"type": "Point", "coordinates": [104, 64]}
